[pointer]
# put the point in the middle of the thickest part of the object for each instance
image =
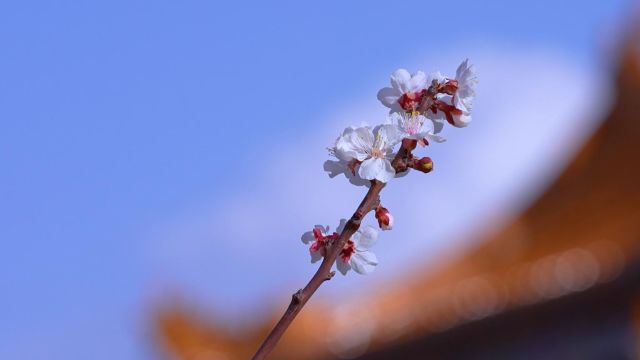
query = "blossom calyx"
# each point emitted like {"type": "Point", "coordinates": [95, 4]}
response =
{"type": "Point", "coordinates": [320, 238]}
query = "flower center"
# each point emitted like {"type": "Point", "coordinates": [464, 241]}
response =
{"type": "Point", "coordinates": [378, 146]}
{"type": "Point", "coordinates": [348, 250]}
{"type": "Point", "coordinates": [322, 240]}
{"type": "Point", "coordinates": [411, 123]}
{"type": "Point", "coordinates": [410, 100]}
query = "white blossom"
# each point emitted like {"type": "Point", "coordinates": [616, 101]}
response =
{"type": "Point", "coordinates": [417, 127]}
{"type": "Point", "coordinates": [356, 254]}
{"type": "Point", "coordinates": [319, 238]}
{"type": "Point", "coordinates": [462, 98]}
{"type": "Point", "coordinates": [372, 150]}
{"type": "Point", "coordinates": [404, 86]}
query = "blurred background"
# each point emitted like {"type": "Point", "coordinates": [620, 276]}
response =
{"type": "Point", "coordinates": [160, 160]}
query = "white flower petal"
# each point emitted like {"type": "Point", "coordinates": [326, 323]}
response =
{"type": "Point", "coordinates": [461, 120]}
{"type": "Point", "coordinates": [315, 256]}
{"type": "Point", "coordinates": [388, 173]}
{"type": "Point", "coordinates": [389, 134]}
{"type": "Point", "coordinates": [429, 131]}
{"type": "Point", "coordinates": [376, 168]}
{"type": "Point", "coordinates": [363, 136]}
{"type": "Point", "coordinates": [400, 79]}
{"type": "Point", "coordinates": [343, 266]}
{"type": "Point", "coordinates": [438, 124]}
{"type": "Point", "coordinates": [362, 140]}
{"type": "Point", "coordinates": [428, 125]}
{"type": "Point", "coordinates": [370, 168]}
{"type": "Point", "coordinates": [417, 82]}
{"type": "Point", "coordinates": [343, 149]}
{"type": "Point", "coordinates": [461, 68]}
{"type": "Point", "coordinates": [467, 80]}
{"type": "Point", "coordinates": [394, 119]}
{"type": "Point", "coordinates": [308, 237]}
{"type": "Point", "coordinates": [363, 262]}
{"type": "Point", "coordinates": [354, 144]}
{"type": "Point", "coordinates": [348, 130]}
{"type": "Point", "coordinates": [464, 104]}
{"type": "Point", "coordinates": [389, 97]}
{"type": "Point", "coordinates": [435, 138]}
{"type": "Point", "coordinates": [367, 237]}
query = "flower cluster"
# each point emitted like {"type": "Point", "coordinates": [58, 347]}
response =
{"type": "Point", "coordinates": [355, 253]}
{"type": "Point", "coordinates": [419, 107]}
{"type": "Point", "coordinates": [434, 96]}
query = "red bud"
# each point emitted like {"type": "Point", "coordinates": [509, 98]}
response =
{"type": "Point", "coordinates": [384, 217]}
{"type": "Point", "coordinates": [424, 164]}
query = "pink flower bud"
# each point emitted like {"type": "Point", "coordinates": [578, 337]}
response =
{"type": "Point", "coordinates": [384, 217]}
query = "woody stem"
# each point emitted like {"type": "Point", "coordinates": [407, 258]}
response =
{"type": "Point", "coordinates": [299, 298]}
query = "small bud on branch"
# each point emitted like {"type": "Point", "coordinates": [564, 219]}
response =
{"type": "Point", "coordinates": [384, 217]}
{"type": "Point", "coordinates": [424, 164]}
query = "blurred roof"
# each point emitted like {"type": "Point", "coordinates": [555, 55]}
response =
{"type": "Point", "coordinates": [581, 232]}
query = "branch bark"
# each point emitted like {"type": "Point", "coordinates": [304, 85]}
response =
{"type": "Point", "coordinates": [324, 273]}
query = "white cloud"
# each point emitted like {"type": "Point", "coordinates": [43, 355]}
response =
{"type": "Point", "coordinates": [533, 108]}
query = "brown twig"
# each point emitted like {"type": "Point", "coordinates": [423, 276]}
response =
{"type": "Point", "coordinates": [324, 273]}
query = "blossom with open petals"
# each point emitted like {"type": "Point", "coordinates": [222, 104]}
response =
{"type": "Point", "coordinates": [458, 101]}
{"type": "Point", "coordinates": [406, 91]}
{"type": "Point", "coordinates": [319, 238]}
{"type": "Point", "coordinates": [417, 127]}
{"type": "Point", "coordinates": [371, 149]}
{"type": "Point", "coordinates": [452, 99]}
{"type": "Point", "coordinates": [356, 254]}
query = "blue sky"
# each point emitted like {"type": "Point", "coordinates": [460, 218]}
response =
{"type": "Point", "coordinates": [124, 121]}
